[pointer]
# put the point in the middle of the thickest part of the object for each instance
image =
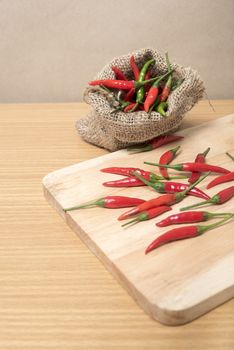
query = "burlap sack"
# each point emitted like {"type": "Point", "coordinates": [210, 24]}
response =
{"type": "Point", "coordinates": [114, 131]}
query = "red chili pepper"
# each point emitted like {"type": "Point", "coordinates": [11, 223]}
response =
{"type": "Point", "coordinates": [221, 179]}
{"type": "Point", "coordinates": [155, 143]}
{"type": "Point", "coordinates": [131, 107]}
{"type": "Point", "coordinates": [166, 199]}
{"type": "Point", "coordinates": [182, 233]}
{"type": "Point", "coordinates": [134, 182]}
{"type": "Point", "coordinates": [167, 88]}
{"type": "Point", "coordinates": [126, 182]}
{"type": "Point", "coordinates": [148, 214]}
{"type": "Point", "coordinates": [200, 158]}
{"type": "Point", "coordinates": [118, 73]}
{"type": "Point", "coordinates": [112, 202]}
{"type": "Point", "coordinates": [230, 156]}
{"type": "Point", "coordinates": [172, 187]}
{"type": "Point", "coordinates": [194, 167]}
{"type": "Point", "coordinates": [148, 74]}
{"type": "Point", "coordinates": [121, 84]}
{"type": "Point", "coordinates": [166, 158]}
{"type": "Point", "coordinates": [153, 92]}
{"type": "Point", "coordinates": [219, 198]}
{"type": "Point", "coordinates": [189, 217]}
{"type": "Point", "coordinates": [147, 86]}
{"type": "Point", "coordinates": [115, 84]}
{"type": "Point", "coordinates": [128, 171]}
{"type": "Point", "coordinates": [129, 95]}
{"type": "Point", "coordinates": [134, 67]}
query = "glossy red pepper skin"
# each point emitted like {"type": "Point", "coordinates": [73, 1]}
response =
{"type": "Point", "coordinates": [221, 179]}
{"type": "Point", "coordinates": [166, 158]}
{"type": "Point", "coordinates": [173, 235]}
{"type": "Point", "coordinates": [118, 73]}
{"type": "Point", "coordinates": [115, 84]}
{"type": "Point", "coordinates": [189, 217]}
{"type": "Point", "coordinates": [121, 84]}
{"type": "Point", "coordinates": [134, 67]}
{"type": "Point", "coordinates": [219, 198]}
{"type": "Point", "coordinates": [111, 202]}
{"type": "Point", "coordinates": [149, 214]}
{"type": "Point", "coordinates": [153, 92]}
{"type": "Point", "coordinates": [225, 195]}
{"type": "Point", "coordinates": [194, 167]}
{"type": "Point", "coordinates": [166, 199]}
{"type": "Point", "coordinates": [156, 143]}
{"type": "Point", "coordinates": [151, 97]}
{"type": "Point", "coordinates": [200, 158]}
{"type": "Point", "coordinates": [126, 182]}
{"type": "Point", "coordinates": [135, 182]}
{"type": "Point", "coordinates": [183, 232]}
{"type": "Point", "coordinates": [165, 93]}
{"type": "Point", "coordinates": [184, 218]}
{"type": "Point", "coordinates": [172, 187]}
{"type": "Point", "coordinates": [201, 167]}
{"type": "Point", "coordinates": [127, 171]}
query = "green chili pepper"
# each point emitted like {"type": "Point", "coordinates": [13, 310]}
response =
{"type": "Point", "coordinates": [161, 108]}
{"type": "Point", "coordinates": [141, 92]}
{"type": "Point", "coordinates": [154, 105]}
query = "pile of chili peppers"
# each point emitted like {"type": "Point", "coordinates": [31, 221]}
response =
{"type": "Point", "coordinates": [171, 192]}
{"type": "Point", "coordinates": [143, 91]}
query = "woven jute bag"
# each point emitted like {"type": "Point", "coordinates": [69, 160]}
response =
{"type": "Point", "coordinates": [118, 130]}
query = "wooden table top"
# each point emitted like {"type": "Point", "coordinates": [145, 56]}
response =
{"type": "Point", "coordinates": [54, 294]}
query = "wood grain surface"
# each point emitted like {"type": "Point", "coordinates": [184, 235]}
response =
{"type": "Point", "coordinates": [54, 294]}
{"type": "Point", "coordinates": [180, 281]}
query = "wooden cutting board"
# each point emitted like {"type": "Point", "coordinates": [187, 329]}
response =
{"type": "Point", "coordinates": [179, 281]}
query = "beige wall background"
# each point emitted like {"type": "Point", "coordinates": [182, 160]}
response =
{"type": "Point", "coordinates": [50, 49]}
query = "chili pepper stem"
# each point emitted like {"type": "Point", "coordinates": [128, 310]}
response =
{"type": "Point", "coordinates": [183, 233]}
{"type": "Point", "coordinates": [229, 155]}
{"type": "Point", "coordinates": [194, 184]}
{"type": "Point", "coordinates": [130, 222]}
{"type": "Point", "coordinates": [196, 205]}
{"type": "Point", "coordinates": [206, 152]}
{"type": "Point", "coordinates": [144, 82]}
{"type": "Point", "coordinates": [157, 178]}
{"type": "Point", "coordinates": [86, 205]}
{"type": "Point", "coordinates": [217, 215]}
{"type": "Point", "coordinates": [202, 229]}
{"type": "Point", "coordinates": [148, 183]}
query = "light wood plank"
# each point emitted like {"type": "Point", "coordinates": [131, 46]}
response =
{"type": "Point", "coordinates": [54, 293]}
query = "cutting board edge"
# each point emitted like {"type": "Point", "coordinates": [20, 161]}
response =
{"type": "Point", "coordinates": [165, 316]}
